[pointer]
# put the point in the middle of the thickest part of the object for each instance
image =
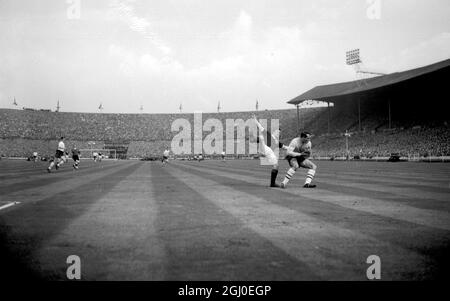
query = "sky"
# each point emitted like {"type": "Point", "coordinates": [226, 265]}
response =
{"type": "Point", "coordinates": [128, 54]}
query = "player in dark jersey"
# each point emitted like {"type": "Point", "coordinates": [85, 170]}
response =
{"type": "Point", "coordinates": [165, 158]}
{"type": "Point", "coordinates": [75, 157]}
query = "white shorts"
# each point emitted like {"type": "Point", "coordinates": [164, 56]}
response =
{"type": "Point", "coordinates": [269, 155]}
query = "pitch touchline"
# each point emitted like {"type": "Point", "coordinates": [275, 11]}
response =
{"type": "Point", "coordinates": [9, 205]}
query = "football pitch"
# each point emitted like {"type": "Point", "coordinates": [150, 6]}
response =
{"type": "Point", "coordinates": [214, 220]}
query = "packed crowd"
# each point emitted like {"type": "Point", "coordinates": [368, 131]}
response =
{"type": "Point", "coordinates": [140, 135]}
{"type": "Point", "coordinates": [420, 141]}
{"type": "Point", "coordinates": [100, 127]}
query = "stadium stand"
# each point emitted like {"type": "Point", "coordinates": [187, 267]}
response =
{"type": "Point", "coordinates": [403, 113]}
{"type": "Point", "coordinates": [141, 135]}
{"type": "Point", "coordinates": [132, 135]}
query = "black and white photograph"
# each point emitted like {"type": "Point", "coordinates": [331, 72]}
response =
{"type": "Point", "coordinates": [210, 141]}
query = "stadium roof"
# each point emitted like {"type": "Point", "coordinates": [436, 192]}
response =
{"type": "Point", "coordinates": [334, 91]}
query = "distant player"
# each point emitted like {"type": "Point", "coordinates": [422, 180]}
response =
{"type": "Point", "coordinates": [298, 154]}
{"type": "Point", "coordinates": [100, 157]}
{"type": "Point", "coordinates": [223, 156]}
{"type": "Point", "coordinates": [265, 150]}
{"type": "Point", "coordinates": [166, 154]}
{"type": "Point", "coordinates": [35, 156]}
{"type": "Point", "coordinates": [95, 156]}
{"type": "Point", "coordinates": [75, 157]}
{"type": "Point", "coordinates": [59, 156]}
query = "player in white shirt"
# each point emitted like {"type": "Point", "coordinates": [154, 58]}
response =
{"type": "Point", "coordinates": [223, 156]}
{"type": "Point", "coordinates": [266, 149]}
{"type": "Point", "coordinates": [298, 154]}
{"type": "Point", "coordinates": [166, 156]}
{"type": "Point", "coordinates": [95, 156]}
{"type": "Point", "coordinates": [35, 156]}
{"type": "Point", "coordinates": [59, 156]}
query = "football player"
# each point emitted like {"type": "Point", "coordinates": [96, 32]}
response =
{"type": "Point", "coordinates": [75, 157]}
{"type": "Point", "coordinates": [298, 154]}
{"type": "Point", "coordinates": [59, 156]}
{"type": "Point", "coordinates": [166, 156]}
{"type": "Point", "coordinates": [264, 148]}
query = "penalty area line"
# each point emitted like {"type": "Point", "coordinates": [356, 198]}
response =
{"type": "Point", "coordinates": [9, 205]}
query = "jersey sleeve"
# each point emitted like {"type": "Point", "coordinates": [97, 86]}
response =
{"type": "Point", "coordinates": [292, 146]}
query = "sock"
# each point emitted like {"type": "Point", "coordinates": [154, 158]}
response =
{"type": "Point", "coordinates": [51, 165]}
{"type": "Point", "coordinates": [290, 173]}
{"type": "Point", "coordinates": [273, 177]}
{"type": "Point", "coordinates": [310, 176]}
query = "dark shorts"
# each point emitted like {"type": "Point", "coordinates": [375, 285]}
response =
{"type": "Point", "coordinates": [165, 158]}
{"type": "Point", "coordinates": [299, 159]}
{"type": "Point", "coordinates": [59, 154]}
{"type": "Point", "coordinates": [75, 158]}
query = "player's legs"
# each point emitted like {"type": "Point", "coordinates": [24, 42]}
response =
{"type": "Point", "coordinates": [60, 162]}
{"type": "Point", "coordinates": [293, 163]}
{"type": "Point", "coordinates": [273, 176]}
{"type": "Point", "coordinates": [57, 158]}
{"type": "Point", "coordinates": [52, 163]}
{"type": "Point", "coordinates": [310, 174]}
{"type": "Point", "coordinates": [260, 127]}
{"type": "Point", "coordinates": [76, 161]}
{"type": "Point", "coordinates": [262, 133]}
{"type": "Point", "coordinates": [272, 159]}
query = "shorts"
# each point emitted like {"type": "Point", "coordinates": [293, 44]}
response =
{"type": "Point", "coordinates": [299, 159]}
{"type": "Point", "coordinates": [165, 158]}
{"type": "Point", "coordinates": [75, 158]}
{"type": "Point", "coordinates": [59, 154]}
{"type": "Point", "coordinates": [269, 155]}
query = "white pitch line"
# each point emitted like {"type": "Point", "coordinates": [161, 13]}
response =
{"type": "Point", "coordinates": [9, 205]}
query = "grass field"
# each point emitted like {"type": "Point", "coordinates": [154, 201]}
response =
{"type": "Point", "coordinates": [213, 220]}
